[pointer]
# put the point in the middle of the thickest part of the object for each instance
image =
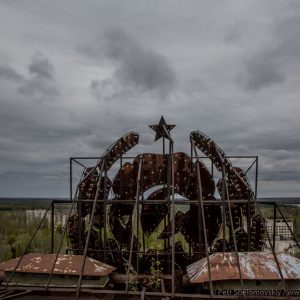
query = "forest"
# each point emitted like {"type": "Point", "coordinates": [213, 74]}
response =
{"type": "Point", "coordinates": [16, 231]}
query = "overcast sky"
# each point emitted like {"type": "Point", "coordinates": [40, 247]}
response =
{"type": "Point", "coordinates": [76, 75]}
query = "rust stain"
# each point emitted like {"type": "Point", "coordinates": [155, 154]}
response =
{"type": "Point", "coordinates": [65, 264]}
{"type": "Point", "coordinates": [254, 266]}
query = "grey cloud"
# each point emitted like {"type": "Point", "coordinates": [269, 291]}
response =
{"type": "Point", "coordinates": [41, 85]}
{"type": "Point", "coordinates": [10, 74]}
{"type": "Point", "coordinates": [37, 140]}
{"type": "Point", "coordinates": [141, 69]}
{"type": "Point", "coordinates": [235, 32]}
{"type": "Point", "coordinates": [270, 64]}
{"type": "Point", "coordinates": [39, 89]}
{"type": "Point", "coordinates": [261, 71]}
{"type": "Point", "coordinates": [40, 66]}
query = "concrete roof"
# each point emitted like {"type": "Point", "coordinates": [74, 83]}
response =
{"type": "Point", "coordinates": [65, 264]}
{"type": "Point", "coordinates": [254, 266]}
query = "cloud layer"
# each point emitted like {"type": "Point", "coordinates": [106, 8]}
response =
{"type": "Point", "coordinates": [137, 69]}
{"type": "Point", "coordinates": [73, 78]}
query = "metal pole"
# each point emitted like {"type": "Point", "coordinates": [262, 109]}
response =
{"type": "Point", "coordinates": [121, 163]}
{"type": "Point", "coordinates": [224, 185]}
{"type": "Point", "coordinates": [164, 188]}
{"type": "Point", "coordinates": [52, 227]}
{"type": "Point", "coordinates": [138, 225]}
{"type": "Point", "coordinates": [224, 212]}
{"type": "Point", "coordinates": [173, 218]}
{"type": "Point", "coordinates": [104, 213]}
{"type": "Point", "coordinates": [274, 226]}
{"type": "Point", "coordinates": [168, 192]}
{"type": "Point", "coordinates": [191, 172]}
{"type": "Point", "coordinates": [274, 255]}
{"type": "Point", "coordinates": [133, 221]}
{"type": "Point", "coordinates": [71, 178]}
{"type": "Point", "coordinates": [250, 167]}
{"type": "Point", "coordinates": [142, 189]}
{"type": "Point", "coordinates": [248, 224]}
{"type": "Point", "coordinates": [89, 230]}
{"type": "Point", "coordinates": [233, 234]}
{"type": "Point", "coordinates": [291, 231]}
{"type": "Point", "coordinates": [200, 205]}
{"type": "Point", "coordinates": [256, 176]}
{"type": "Point", "coordinates": [79, 210]}
{"type": "Point", "coordinates": [27, 246]}
{"type": "Point", "coordinates": [63, 236]}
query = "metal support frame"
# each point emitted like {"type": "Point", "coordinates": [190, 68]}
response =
{"type": "Point", "coordinates": [90, 227]}
{"type": "Point", "coordinates": [173, 216]}
{"type": "Point", "coordinates": [27, 247]}
{"type": "Point", "coordinates": [133, 221]}
{"type": "Point", "coordinates": [291, 231]}
{"type": "Point", "coordinates": [200, 207]}
{"type": "Point", "coordinates": [52, 227]}
{"type": "Point", "coordinates": [274, 227]}
{"type": "Point", "coordinates": [275, 208]}
{"type": "Point", "coordinates": [171, 201]}
{"type": "Point", "coordinates": [274, 255]}
{"type": "Point", "coordinates": [63, 236]}
{"type": "Point", "coordinates": [227, 198]}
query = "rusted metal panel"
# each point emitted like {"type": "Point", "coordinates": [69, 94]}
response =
{"type": "Point", "coordinates": [254, 266]}
{"type": "Point", "coordinates": [65, 265]}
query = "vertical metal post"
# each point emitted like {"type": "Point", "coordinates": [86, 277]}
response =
{"type": "Point", "coordinates": [256, 176]}
{"type": "Point", "coordinates": [165, 217]}
{"type": "Point", "coordinates": [274, 226]}
{"type": "Point", "coordinates": [62, 238]}
{"type": "Point", "coordinates": [274, 255]}
{"type": "Point", "coordinates": [224, 211]}
{"type": "Point", "coordinates": [52, 226]}
{"type": "Point", "coordinates": [26, 248]}
{"type": "Point", "coordinates": [121, 163]}
{"type": "Point", "coordinates": [227, 196]}
{"type": "Point", "coordinates": [232, 232]}
{"type": "Point", "coordinates": [192, 161]}
{"type": "Point", "coordinates": [104, 213]}
{"type": "Point", "coordinates": [79, 212]}
{"type": "Point", "coordinates": [89, 229]}
{"type": "Point", "coordinates": [65, 229]}
{"type": "Point", "coordinates": [290, 229]}
{"type": "Point", "coordinates": [134, 215]}
{"type": "Point", "coordinates": [71, 178]}
{"type": "Point", "coordinates": [142, 193]}
{"type": "Point", "coordinates": [138, 222]}
{"type": "Point", "coordinates": [248, 224]}
{"type": "Point", "coordinates": [169, 202]}
{"type": "Point", "coordinates": [173, 217]}
{"type": "Point", "coordinates": [200, 206]}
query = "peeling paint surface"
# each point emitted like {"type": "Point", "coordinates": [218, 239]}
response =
{"type": "Point", "coordinates": [254, 266]}
{"type": "Point", "coordinates": [65, 264]}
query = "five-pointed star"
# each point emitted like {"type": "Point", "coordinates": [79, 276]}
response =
{"type": "Point", "coordinates": [162, 129]}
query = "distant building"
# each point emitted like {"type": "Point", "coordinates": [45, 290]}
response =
{"type": "Point", "coordinates": [60, 216]}
{"type": "Point", "coordinates": [283, 237]}
{"type": "Point", "coordinates": [282, 231]}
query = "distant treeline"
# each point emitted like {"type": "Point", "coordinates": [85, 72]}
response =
{"type": "Point", "coordinates": [16, 230]}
